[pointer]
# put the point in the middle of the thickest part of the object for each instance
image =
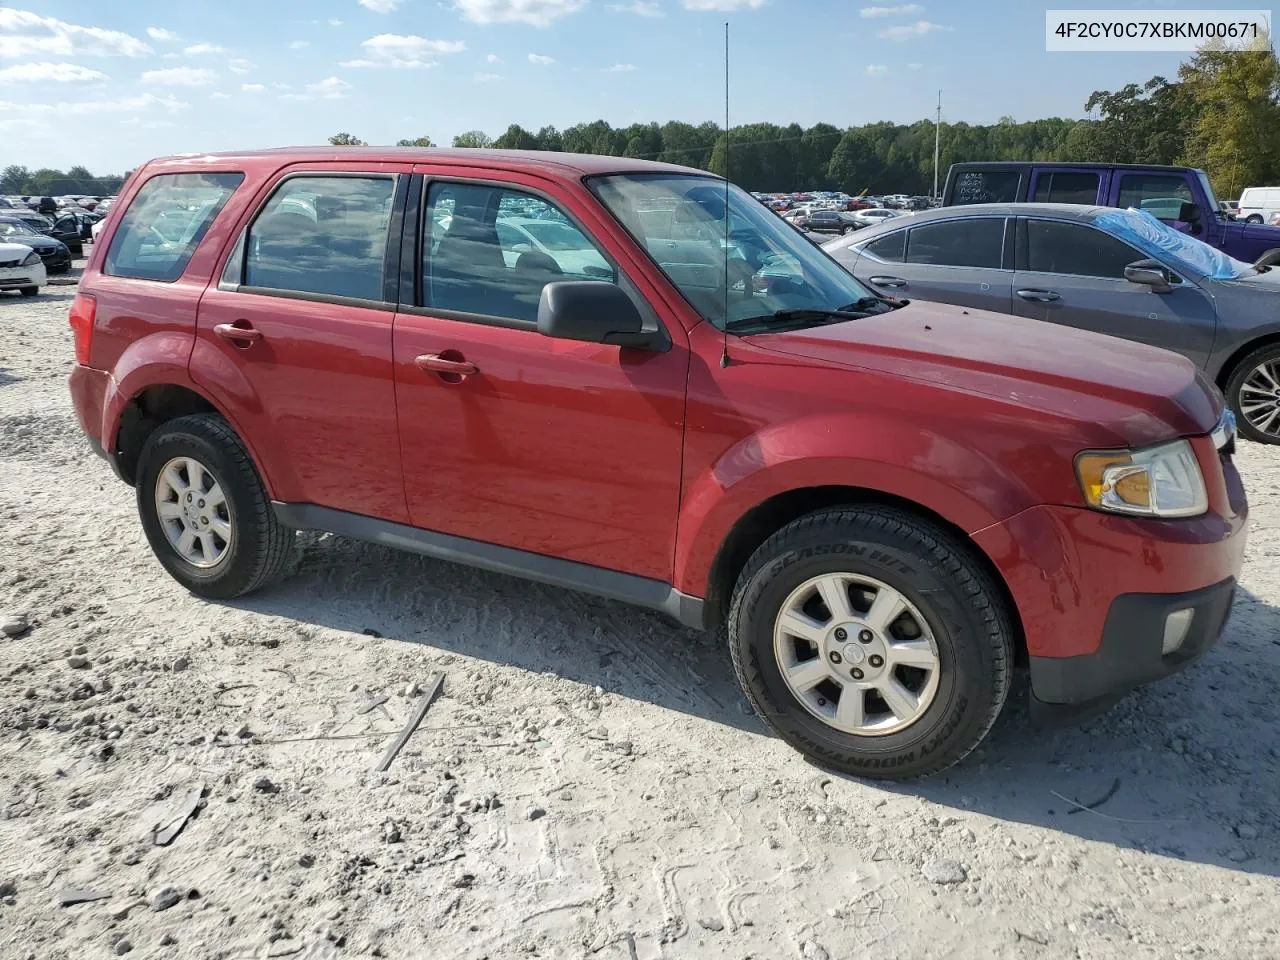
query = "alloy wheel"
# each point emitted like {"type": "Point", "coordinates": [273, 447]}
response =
{"type": "Point", "coordinates": [1260, 397]}
{"type": "Point", "coordinates": [193, 512]}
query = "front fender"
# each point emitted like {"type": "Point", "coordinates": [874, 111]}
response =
{"type": "Point", "coordinates": [959, 483]}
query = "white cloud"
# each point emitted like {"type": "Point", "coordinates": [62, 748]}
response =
{"type": "Point", "coordinates": [333, 22]}
{"type": "Point", "coordinates": [539, 60]}
{"type": "Point", "coordinates": [537, 13]}
{"type": "Point", "coordinates": [641, 8]}
{"type": "Point", "coordinates": [493, 58]}
{"type": "Point", "coordinates": [201, 49]}
{"type": "Point", "coordinates": [487, 77]}
{"type": "Point", "coordinates": [904, 10]}
{"type": "Point", "coordinates": [44, 72]}
{"type": "Point", "coordinates": [722, 6]}
{"type": "Point", "coordinates": [910, 31]}
{"type": "Point", "coordinates": [161, 35]}
{"type": "Point", "coordinates": [23, 33]}
{"type": "Point", "coordinates": [330, 88]}
{"type": "Point", "coordinates": [239, 65]}
{"type": "Point", "coordinates": [299, 44]}
{"type": "Point", "coordinates": [404, 52]}
{"type": "Point", "coordinates": [620, 68]}
{"type": "Point", "coordinates": [80, 107]}
{"type": "Point", "coordinates": [876, 69]}
{"type": "Point", "coordinates": [380, 6]}
{"type": "Point", "coordinates": [915, 66]}
{"type": "Point", "coordinates": [179, 77]}
{"type": "Point", "coordinates": [252, 88]}
{"type": "Point", "coordinates": [219, 95]}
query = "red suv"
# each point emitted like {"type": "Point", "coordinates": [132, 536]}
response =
{"type": "Point", "coordinates": [631, 379]}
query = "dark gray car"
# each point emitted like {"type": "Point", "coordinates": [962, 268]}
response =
{"type": "Point", "coordinates": [1119, 272]}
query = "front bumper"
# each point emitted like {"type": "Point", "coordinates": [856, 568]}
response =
{"type": "Point", "coordinates": [1093, 589]}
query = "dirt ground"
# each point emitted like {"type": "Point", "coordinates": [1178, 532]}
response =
{"type": "Point", "coordinates": [589, 785]}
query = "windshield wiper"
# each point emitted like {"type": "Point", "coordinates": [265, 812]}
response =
{"type": "Point", "coordinates": [799, 315]}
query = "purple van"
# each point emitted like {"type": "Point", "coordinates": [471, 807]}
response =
{"type": "Point", "coordinates": [1180, 196]}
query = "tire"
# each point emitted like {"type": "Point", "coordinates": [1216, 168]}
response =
{"type": "Point", "coordinates": [1253, 218]}
{"type": "Point", "coordinates": [845, 230]}
{"type": "Point", "coordinates": [258, 547]}
{"type": "Point", "coordinates": [30, 291]}
{"type": "Point", "coordinates": [933, 571]}
{"type": "Point", "coordinates": [1240, 398]}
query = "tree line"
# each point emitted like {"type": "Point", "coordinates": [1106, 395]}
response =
{"type": "Point", "coordinates": [46, 182]}
{"type": "Point", "coordinates": [1222, 114]}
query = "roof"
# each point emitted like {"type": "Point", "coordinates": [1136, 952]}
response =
{"type": "Point", "coordinates": [566, 164]}
{"type": "Point", "coordinates": [1063, 165]}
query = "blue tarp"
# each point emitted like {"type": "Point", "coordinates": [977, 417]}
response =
{"type": "Point", "coordinates": [1159, 240]}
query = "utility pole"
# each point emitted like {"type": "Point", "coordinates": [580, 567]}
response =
{"type": "Point", "coordinates": [937, 142]}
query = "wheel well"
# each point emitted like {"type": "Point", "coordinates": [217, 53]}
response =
{"type": "Point", "coordinates": [765, 519]}
{"type": "Point", "coordinates": [147, 411]}
{"type": "Point", "coordinates": [1228, 368]}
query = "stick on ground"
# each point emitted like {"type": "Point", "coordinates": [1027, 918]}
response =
{"type": "Point", "coordinates": [433, 690]}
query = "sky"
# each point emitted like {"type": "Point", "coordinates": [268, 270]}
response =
{"type": "Point", "coordinates": [110, 85]}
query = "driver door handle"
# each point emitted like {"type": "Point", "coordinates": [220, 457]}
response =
{"type": "Point", "coordinates": [240, 333]}
{"type": "Point", "coordinates": [1039, 296]}
{"type": "Point", "coordinates": [888, 281]}
{"type": "Point", "coordinates": [435, 363]}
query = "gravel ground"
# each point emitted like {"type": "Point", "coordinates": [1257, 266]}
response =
{"type": "Point", "coordinates": [589, 785]}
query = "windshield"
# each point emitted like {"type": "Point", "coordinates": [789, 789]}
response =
{"type": "Point", "coordinates": [1214, 205]}
{"type": "Point", "coordinates": [765, 267]}
{"type": "Point", "coordinates": [11, 229]}
{"type": "Point", "coordinates": [1159, 240]}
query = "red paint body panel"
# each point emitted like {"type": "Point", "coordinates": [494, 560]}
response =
{"type": "Point", "coordinates": [1064, 566]}
{"type": "Point", "coordinates": [644, 462]}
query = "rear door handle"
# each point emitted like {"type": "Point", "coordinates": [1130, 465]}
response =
{"type": "Point", "coordinates": [1039, 296]}
{"type": "Point", "coordinates": [888, 281]}
{"type": "Point", "coordinates": [436, 363]}
{"type": "Point", "coordinates": [241, 333]}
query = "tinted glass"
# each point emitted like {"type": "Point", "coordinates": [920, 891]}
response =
{"type": "Point", "coordinates": [322, 235]}
{"type": "Point", "coordinates": [1161, 195]}
{"type": "Point", "coordinates": [1066, 187]}
{"type": "Point", "coordinates": [165, 223]}
{"type": "Point", "coordinates": [490, 251]}
{"type": "Point", "coordinates": [891, 248]}
{"type": "Point", "coordinates": [976, 242]}
{"type": "Point", "coordinates": [1054, 247]}
{"type": "Point", "coordinates": [754, 264]}
{"type": "Point", "coordinates": [986, 186]}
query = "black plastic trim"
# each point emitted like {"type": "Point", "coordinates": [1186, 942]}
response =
{"type": "Point", "coordinates": [640, 591]}
{"type": "Point", "coordinates": [1129, 654]}
{"type": "Point", "coordinates": [316, 297]}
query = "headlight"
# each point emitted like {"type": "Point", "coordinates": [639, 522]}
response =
{"type": "Point", "coordinates": [31, 259]}
{"type": "Point", "coordinates": [1163, 481]}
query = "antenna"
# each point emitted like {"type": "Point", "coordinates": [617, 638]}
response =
{"type": "Point", "coordinates": [724, 333]}
{"type": "Point", "coordinates": [937, 141]}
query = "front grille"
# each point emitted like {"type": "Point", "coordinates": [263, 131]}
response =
{"type": "Point", "coordinates": [10, 263]}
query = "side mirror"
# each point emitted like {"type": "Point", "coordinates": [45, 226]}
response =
{"type": "Point", "coordinates": [593, 311]}
{"type": "Point", "coordinates": [1149, 273]}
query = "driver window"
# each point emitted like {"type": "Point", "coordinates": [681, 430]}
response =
{"type": "Point", "coordinates": [490, 251]}
{"type": "Point", "coordinates": [1165, 197]}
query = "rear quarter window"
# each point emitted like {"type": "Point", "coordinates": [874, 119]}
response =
{"type": "Point", "coordinates": [165, 223]}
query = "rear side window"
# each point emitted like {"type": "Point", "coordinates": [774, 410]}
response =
{"type": "Point", "coordinates": [1161, 195]}
{"type": "Point", "coordinates": [890, 248]}
{"type": "Point", "coordinates": [322, 235]}
{"type": "Point", "coordinates": [986, 186]}
{"type": "Point", "coordinates": [165, 223]}
{"type": "Point", "coordinates": [977, 242]}
{"type": "Point", "coordinates": [1067, 187]}
{"type": "Point", "coordinates": [1070, 248]}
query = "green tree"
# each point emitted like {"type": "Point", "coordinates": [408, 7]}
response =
{"type": "Point", "coordinates": [423, 141]}
{"type": "Point", "coordinates": [14, 179]}
{"type": "Point", "coordinates": [473, 138]}
{"type": "Point", "coordinates": [347, 140]}
{"type": "Point", "coordinates": [549, 139]}
{"type": "Point", "coordinates": [516, 137]}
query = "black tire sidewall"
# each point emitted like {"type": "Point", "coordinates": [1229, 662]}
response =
{"type": "Point", "coordinates": [1236, 381]}
{"type": "Point", "coordinates": [958, 715]}
{"type": "Point", "coordinates": [168, 442]}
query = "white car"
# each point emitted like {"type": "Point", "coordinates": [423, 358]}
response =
{"type": "Point", "coordinates": [875, 215]}
{"type": "Point", "coordinates": [21, 269]}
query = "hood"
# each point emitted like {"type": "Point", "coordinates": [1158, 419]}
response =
{"type": "Point", "coordinates": [1120, 393]}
